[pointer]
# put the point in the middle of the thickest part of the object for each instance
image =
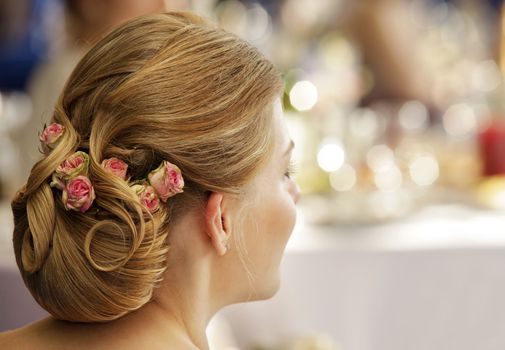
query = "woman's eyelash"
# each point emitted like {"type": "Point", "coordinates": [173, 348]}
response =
{"type": "Point", "coordinates": [291, 170]}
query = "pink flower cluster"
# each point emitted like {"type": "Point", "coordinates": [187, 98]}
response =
{"type": "Point", "coordinates": [162, 183]}
{"type": "Point", "coordinates": [71, 177]}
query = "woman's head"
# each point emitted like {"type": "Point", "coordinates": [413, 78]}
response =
{"type": "Point", "coordinates": [162, 88]}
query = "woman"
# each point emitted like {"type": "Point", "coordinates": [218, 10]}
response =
{"type": "Point", "coordinates": [164, 194]}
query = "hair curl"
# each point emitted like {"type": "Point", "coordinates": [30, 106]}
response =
{"type": "Point", "coordinates": [167, 86]}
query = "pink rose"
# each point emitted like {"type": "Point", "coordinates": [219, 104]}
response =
{"type": "Point", "coordinates": [147, 196]}
{"type": "Point", "coordinates": [78, 194]}
{"type": "Point", "coordinates": [50, 135]}
{"type": "Point", "coordinates": [166, 180]}
{"type": "Point", "coordinates": [76, 164]}
{"type": "Point", "coordinates": [115, 166]}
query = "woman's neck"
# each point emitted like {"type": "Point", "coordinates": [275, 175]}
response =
{"type": "Point", "coordinates": [186, 299]}
{"type": "Point", "coordinates": [187, 308]}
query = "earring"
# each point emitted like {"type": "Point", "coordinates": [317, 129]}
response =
{"type": "Point", "coordinates": [225, 243]}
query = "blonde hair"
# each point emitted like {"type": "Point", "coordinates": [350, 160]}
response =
{"type": "Point", "coordinates": [163, 87]}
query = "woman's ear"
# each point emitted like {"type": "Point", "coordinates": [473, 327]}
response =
{"type": "Point", "coordinates": [215, 223]}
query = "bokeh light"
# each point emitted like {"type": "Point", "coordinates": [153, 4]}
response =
{"type": "Point", "coordinates": [413, 115]}
{"type": "Point", "coordinates": [343, 179]}
{"type": "Point", "coordinates": [259, 23]}
{"type": "Point", "coordinates": [331, 156]}
{"type": "Point", "coordinates": [380, 157]}
{"type": "Point", "coordinates": [389, 179]}
{"type": "Point", "coordinates": [459, 120]}
{"type": "Point", "coordinates": [486, 76]}
{"type": "Point", "coordinates": [424, 170]}
{"type": "Point", "coordinates": [303, 95]}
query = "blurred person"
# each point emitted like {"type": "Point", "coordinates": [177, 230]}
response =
{"type": "Point", "coordinates": [394, 46]}
{"type": "Point", "coordinates": [388, 43]}
{"type": "Point", "coordinates": [164, 195]}
{"type": "Point", "coordinates": [85, 21]}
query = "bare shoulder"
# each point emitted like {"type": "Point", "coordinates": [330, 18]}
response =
{"type": "Point", "coordinates": [8, 340]}
{"type": "Point", "coordinates": [53, 334]}
{"type": "Point", "coordinates": [37, 335]}
{"type": "Point", "coordinates": [18, 339]}
{"type": "Point", "coordinates": [44, 334]}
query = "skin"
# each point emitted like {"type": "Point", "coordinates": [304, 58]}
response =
{"type": "Point", "coordinates": [204, 275]}
{"type": "Point", "coordinates": [96, 17]}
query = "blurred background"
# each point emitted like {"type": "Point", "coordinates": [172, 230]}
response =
{"type": "Point", "coordinates": [397, 112]}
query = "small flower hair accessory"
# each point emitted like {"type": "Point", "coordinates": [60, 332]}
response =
{"type": "Point", "coordinates": [147, 196]}
{"type": "Point", "coordinates": [50, 135]}
{"type": "Point", "coordinates": [71, 177]}
{"type": "Point", "coordinates": [78, 194]}
{"type": "Point", "coordinates": [116, 167]}
{"type": "Point", "coordinates": [166, 180]}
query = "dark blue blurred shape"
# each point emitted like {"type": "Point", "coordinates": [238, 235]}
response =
{"type": "Point", "coordinates": [19, 57]}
